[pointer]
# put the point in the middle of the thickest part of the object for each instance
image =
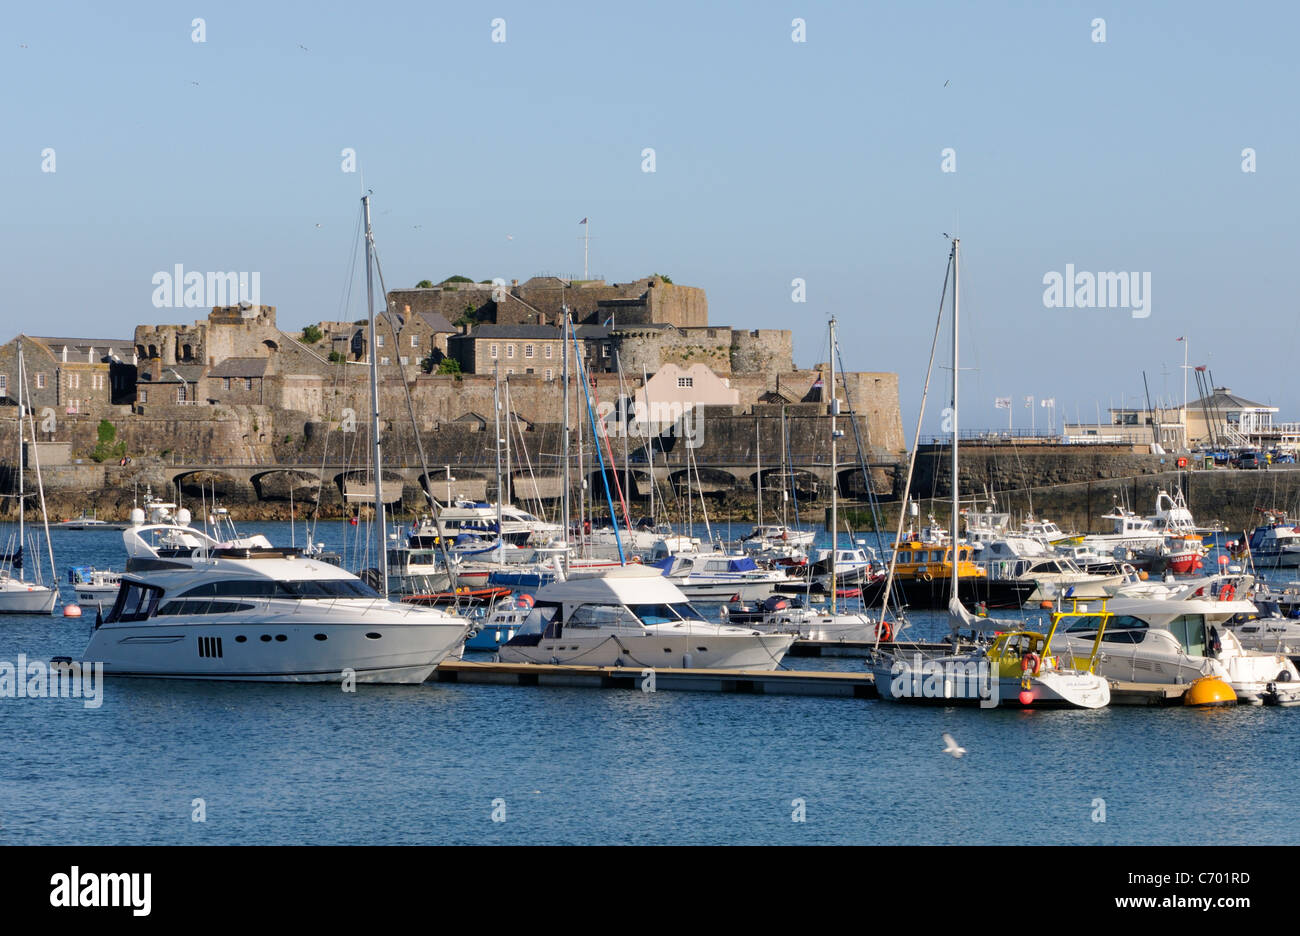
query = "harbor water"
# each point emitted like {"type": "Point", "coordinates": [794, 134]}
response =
{"type": "Point", "coordinates": [476, 764]}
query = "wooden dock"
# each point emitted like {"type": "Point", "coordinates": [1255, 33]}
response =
{"type": "Point", "coordinates": [749, 682]}
{"type": "Point", "coordinates": [860, 648]}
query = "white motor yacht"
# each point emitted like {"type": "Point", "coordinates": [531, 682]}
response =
{"type": "Point", "coordinates": [1176, 640]}
{"type": "Point", "coordinates": [719, 577]}
{"type": "Point", "coordinates": [266, 616]}
{"type": "Point", "coordinates": [633, 616]}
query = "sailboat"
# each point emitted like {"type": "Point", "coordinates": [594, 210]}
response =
{"type": "Point", "coordinates": [18, 594]}
{"type": "Point", "coordinates": [1020, 666]}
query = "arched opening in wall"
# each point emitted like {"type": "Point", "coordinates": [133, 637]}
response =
{"type": "Point", "coordinates": [187, 353]}
{"type": "Point", "coordinates": [271, 344]}
{"type": "Point", "coordinates": [153, 351]}
{"type": "Point", "coordinates": [140, 350]}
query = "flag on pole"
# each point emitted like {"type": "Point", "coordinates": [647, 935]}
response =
{"type": "Point", "coordinates": [1002, 402]}
{"type": "Point", "coordinates": [1049, 403]}
{"type": "Point", "coordinates": [584, 221]}
{"type": "Point", "coordinates": [1179, 338]}
{"type": "Point", "coordinates": [1029, 402]}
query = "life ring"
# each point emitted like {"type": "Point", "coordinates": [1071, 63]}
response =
{"type": "Point", "coordinates": [926, 577]}
{"type": "Point", "coordinates": [1029, 663]}
{"type": "Point", "coordinates": [1182, 463]}
{"type": "Point", "coordinates": [1226, 592]}
{"type": "Point", "coordinates": [886, 632]}
{"type": "Point", "coordinates": [636, 559]}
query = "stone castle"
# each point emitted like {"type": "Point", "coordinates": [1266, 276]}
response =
{"type": "Point", "coordinates": [235, 388]}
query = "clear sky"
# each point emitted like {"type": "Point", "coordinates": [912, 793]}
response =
{"type": "Point", "coordinates": [774, 159]}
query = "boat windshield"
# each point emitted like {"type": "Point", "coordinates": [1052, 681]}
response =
{"type": "Point", "coordinates": [666, 613]}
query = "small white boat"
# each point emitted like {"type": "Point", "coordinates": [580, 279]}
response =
{"type": "Point", "coordinates": [94, 586]}
{"type": "Point", "coordinates": [633, 616]}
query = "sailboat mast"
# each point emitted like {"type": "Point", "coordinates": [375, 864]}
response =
{"type": "Point", "coordinates": [22, 498]}
{"type": "Point", "coordinates": [507, 497]}
{"type": "Point", "coordinates": [496, 427]}
{"type": "Point", "coordinates": [835, 486]}
{"type": "Point", "coordinates": [564, 379]}
{"type": "Point", "coordinates": [956, 492]}
{"type": "Point", "coordinates": [758, 468]}
{"type": "Point", "coordinates": [380, 519]}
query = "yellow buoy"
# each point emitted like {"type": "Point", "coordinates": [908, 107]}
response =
{"type": "Point", "coordinates": [1209, 690]}
{"type": "Point", "coordinates": [1143, 576]}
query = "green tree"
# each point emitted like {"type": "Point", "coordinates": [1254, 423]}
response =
{"type": "Point", "coordinates": [666, 279]}
{"type": "Point", "coordinates": [311, 334]}
{"type": "Point", "coordinates": [424, 284]}
{"type": "Point", "coordinates": [449, 366]}
{"type": "Point", "coordinates": [336, 357]}
{"type": "Point", "coordinates": [457, 279]}
{"type": "Point", "coordinates": [105, 448]}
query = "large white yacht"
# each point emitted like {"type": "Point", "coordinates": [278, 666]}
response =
{"type": "Point", "coordinates": [633, 616]}
{"type": "Point", "coordinates": [719, 577]}
{"type": "Point", "coordinates": [256, 614]}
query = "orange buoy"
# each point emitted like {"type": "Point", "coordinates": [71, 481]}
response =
{"type": "Point", "coordinates": [72, 610]}
{"type": "Point", "coordinates": [1209, 690]}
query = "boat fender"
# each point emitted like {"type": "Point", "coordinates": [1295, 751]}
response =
{"type": "Point", "coordinates": [1226, 592]}
{"type": "Point", "coordinates": [1284, 676]}
{"type": "Point", "coordinates": [926, 577]}
{"type": "Point", "coordinates": [1030, 663]}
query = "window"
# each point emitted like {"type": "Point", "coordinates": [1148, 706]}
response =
{"type": "Point", "coordinates": [268, 588]}
{"type": "Point", "coordinates": [509, 370]}
{"type": "Point", "coordinates": [4, 384]}
{"type": "Point", "coordinates": [528, 350]}
{"type": "Point", "coordinates": [550, 351]}
{"type": "Point", "coordinates": [40, 381]}
{"type": "Point", "coordinates": [180, 394]}
{"type": "Point", "coordinates": [144, 395]}
{"type": "Point", "coordinates": [686, 381]}
{"type": "Point", "coordinates": [528, 370]}
{"type": "Point", "coordinates": [227, 383]}
{"type": "Point", "coordinates": [415, 341]}
{"type": "Point", "coordinates": [74, 381]}
{"type": "Point", "coordinates": [510, 351]}
{"type": "Point", "coordinates": [383, 360]}
{"type": "Point", "coordinates": [550, 374]}
{"type": "Point", "coordinates": [404, 360]}
{"type": "Point", "coordinates": [248, 383]}
{"type": "Point", "coordinates": [495, 352]}
{"type": "Point", "coordinates": [379, 341]}
{"type": "Point", "coordinates": [97, 381]}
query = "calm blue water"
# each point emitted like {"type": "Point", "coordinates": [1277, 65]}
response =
{"type": "Point", "coordinates": [304, 764]}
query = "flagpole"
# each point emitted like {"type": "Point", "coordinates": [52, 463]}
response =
{"type": "Point", "coordinates": [586, 245]}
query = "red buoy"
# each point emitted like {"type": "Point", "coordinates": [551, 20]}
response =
{"type": "Point", "coordinates": [72, 610]}
{"type": "Point", "coordinates": [1026, 697]}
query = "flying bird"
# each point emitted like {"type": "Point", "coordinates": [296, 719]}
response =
{"type": "Point", "coordinates": [510, 237]}
{"type": "Point", "coordinates": [22, 45]}
{"type": "Point", "coordinates": [195, 83]}
{"type": "Point", "coordinates": [951, 746]}
{"type": "Point", "coordinates": [945, 84]}
{"type": "Point", "coordinates": [417, 226]}
{"type": "Point", "coordinates": [303, 47]}
{"type": "Point", "coordinates": [318, 225]}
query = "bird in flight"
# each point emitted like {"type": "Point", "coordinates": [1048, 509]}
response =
{"type": "Point", "coordinates": [303, 47]}
{"type": "Point", "coordinates": [195, 83]}
{"type": "Point", "coordinates": [510, 237]}
{"type": "Point", "coordinates": [318, 225]}
{"type": "Point", "coordinates": [945, 84]}
{"type": "Point", "coordinates": [950, 746]}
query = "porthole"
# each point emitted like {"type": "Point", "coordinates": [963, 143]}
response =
{"type": "Point", "coordinates": [321, 637]}
{"type": "Point", "coordinates": [668, 649]}
{"type": "Point", "coordinates": [702, 649]}
{"type": "Point", "coordinates": [372, 636]}
{"type": "Point", "coordinates": [281, 638]}
{"type": "Point", "coordinates": [240, 639]}
{"type": "Point", "coordinates": [266, 638]}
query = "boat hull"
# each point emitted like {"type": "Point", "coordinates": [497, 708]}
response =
{"type": "Point", "coordinates": [918, 593]}
{"type": "Point", "coordinates": [276, 650]}
{"type": "Point", "coordinates": [21, 598]}
{"type": "Point", "coordinates": [685, 651]}
{"type": "Point", "coordinates": [899, 680]}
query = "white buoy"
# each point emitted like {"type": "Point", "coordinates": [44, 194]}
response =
{"type": "Point", "coordinates": [72, 610]}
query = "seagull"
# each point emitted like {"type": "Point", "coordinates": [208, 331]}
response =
{"type": "Point", "coordinates": [195, 83]}
{"type": "Point", "coordinates": [952, 747]}
{"type": "Point", "coordinates": [417, 226]}
{"type": "Point", "coordinates": [945, 84]}
{"type": "Point", "coordinates": [303, 47]}
{"type": "Point", "coordinates": [22, 45]}
{"type": "Point", "coordinates": [318, 225]}
{"type": "Point", "coordinates": [510, 237]}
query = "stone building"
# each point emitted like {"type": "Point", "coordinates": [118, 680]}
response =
{"type": "Point", "coordinates": [71, 375]}
{"type": "Point", "coordinates": [512, 349]}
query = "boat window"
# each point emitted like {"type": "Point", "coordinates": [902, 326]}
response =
{"type": "Point", "coordinates": [1190, 631]}
{"type": "Point", "coordinates": [601, 616]}
{"type": "Point", "coordinates": [135, 602]}
{"type": "Point", "coordinates": [201, 606]}
{"type": "Point", "coordinates": [665, 613]}
{"type": "Point", "coordinates": [265, 588]}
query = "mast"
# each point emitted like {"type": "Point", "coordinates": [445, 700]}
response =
{"type": "Point", "coordinates": [496, 427]}
{"type": "Point", "coordinates": [785, 495]}
{"type": "Point", "coordinates": [381, 522]}
{"type": "Point", "coordinates": [758, 467]}
{"type": "Point", "coordinates": [649, 439]}
{"type": "Point", "coordinates": [22, 498]}
{"type": "Point", "coordinates": [507, 497]}
{"type": "Point", "coordinates": [835, 486]}
{"type": "Point", "coordinates": [956, 493]}
{"type": "Point", "coordinates": [564, 379]}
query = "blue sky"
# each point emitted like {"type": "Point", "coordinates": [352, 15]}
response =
{"type": "Point", "coordinates": [774, 160]}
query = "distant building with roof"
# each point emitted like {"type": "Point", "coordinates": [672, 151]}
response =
{"type": "Point", "coordinates": [71, 375]}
